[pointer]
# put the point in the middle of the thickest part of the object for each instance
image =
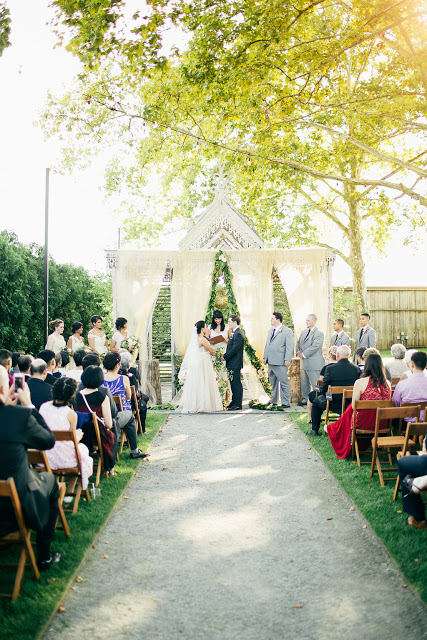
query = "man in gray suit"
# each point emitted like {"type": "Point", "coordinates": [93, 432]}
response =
{"type": "Point", "coordinates": [277, 354]}
{"type": "Point", "coordinates": [309, 350]}
{"type": "Point", "coordinates": [339, 337]}
{"type": "Point", "coordinates": [366, 336]}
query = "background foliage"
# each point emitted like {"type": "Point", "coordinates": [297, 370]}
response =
{"type": "Point", "coordinates": [74, 295]}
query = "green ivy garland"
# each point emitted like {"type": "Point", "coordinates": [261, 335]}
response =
{"type": "Point", "coordinates": [222, 278]}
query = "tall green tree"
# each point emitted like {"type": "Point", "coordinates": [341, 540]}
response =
{"type": "Point", "coordinates": [323, 98]}
{"type": "Point", "coordinates": [74, 294]}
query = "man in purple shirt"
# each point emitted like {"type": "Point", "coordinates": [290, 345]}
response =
{"type": "Point", "coordinates": [414, 388]}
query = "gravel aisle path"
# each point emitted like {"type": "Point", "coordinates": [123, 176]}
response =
{"type": "Point", "coordinates": [226, 535]}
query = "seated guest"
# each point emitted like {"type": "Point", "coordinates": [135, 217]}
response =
{"type": "Point", "coordinates": [134, 379]}
{"type": "Point", "coordinates": [15, 357]}
{"type": "Point", "coordinates": [76, 373]}
{"type": "Point", "coordinates": [398, 366]}
{"type": "Point", "coordinates": [24, 364]}
{"type": "Point", "coordinates": [6, 362]}
{"type": "Point", "coordinates": [370, 351]}
{"type": "Point", "coordinates": [22, 429]}
{"type": "Point", "coordinates": [40, 390]}
{"type": "Point", "coordinates": [413, 479]}
{"type": "Point", "coordinates": [414, 388]}
{"type": "Point", "coordinates": [93, 359]}
{"type": "Point", "coordinates": [332, 358]}
{"type": "Point", "coordinates": [120, 385]}
{"type": "Point", "coordinates": [341, 374]}
{"type": "Point", "coordinates": [372, 385]}
{"type": "Point", "coordinates": [49, 357]}
{"type": "Point", "coordinates": [65, 363]}
{"type": "Point", "coordinates": [60, 416]}
{"type": "Point", "coordinates": [132, 372]}
{"type": "Point", "coordinates": [359, 358]}
{"type": "Point", "coordinates": [58, 361]}
{"type": "Point", "coordinates": [408, 355]}
{"type": "Point", "coordinates": [88, 400]}
{"type": "Point", "coordinates": [339, 337]}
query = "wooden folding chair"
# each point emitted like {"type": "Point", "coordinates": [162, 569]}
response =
{"type": "Point", "coordinates": [40, 463]}
{"type": "Point", "coordinates": [20, 536]}
{"type": "Point", "coordinates": [123, 437]}
{"type": "Point", "coordinates": [421, 405]}
{"type": "Point", "coordinates": [98, 459]}
{"type": "Point", "coordinates": [394, 381]}
{"type": "Point", "coordinates": [71, 476]}
{"type": "Point", "coordinates": [385, 444]}
{"type": "Point", "coordinates": [414, 431]}
{"type": "Point", "coordinates": [334, 391]}
{"type": "Point", "coordinates": [364, 434]}
{"type": "Point", "coordinates": [135, 410]}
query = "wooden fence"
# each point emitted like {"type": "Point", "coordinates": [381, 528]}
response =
{"type": "Point", "coordinates": [397, 315]}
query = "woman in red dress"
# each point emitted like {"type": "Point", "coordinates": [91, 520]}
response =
{"type": "Point", "coordinates": [373, 385]}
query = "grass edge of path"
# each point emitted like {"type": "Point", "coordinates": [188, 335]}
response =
{"type": "Point", "coordinates": [30, 616]}
{"type": "Point", "coordinates": [405, 546]}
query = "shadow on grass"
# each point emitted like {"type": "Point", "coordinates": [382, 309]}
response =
{"type": "Point", "coordinates": [38, 600]}
{"type": "Point", "coordinates": [407, 546]}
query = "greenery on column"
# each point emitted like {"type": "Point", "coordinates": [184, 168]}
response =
{"type": "Point", "coordinates": [222, 279]}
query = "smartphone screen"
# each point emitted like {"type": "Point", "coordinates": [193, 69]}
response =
{"type": "Point", "coordinates": [19, 379]}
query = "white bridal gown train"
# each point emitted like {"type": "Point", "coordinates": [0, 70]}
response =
{"type": "Point", "coordinates": [200, 393]}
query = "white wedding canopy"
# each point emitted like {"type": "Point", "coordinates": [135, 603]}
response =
{"type": "Point", "coordinates": [305, 275]}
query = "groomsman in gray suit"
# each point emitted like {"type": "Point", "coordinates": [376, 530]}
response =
{"type": "Point", "coordinates": [309, 350]}
{"type": "Point", "coordinates": [277, 354]}
{"type": "Point", "coordinates": [339, 337]}
{"type": "Point", "coordinates": [366, 336]}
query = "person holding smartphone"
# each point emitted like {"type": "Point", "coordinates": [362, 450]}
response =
{"type": "Point", "coordinates": [22, 428]}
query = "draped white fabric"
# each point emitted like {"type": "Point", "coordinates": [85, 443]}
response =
{"type": "Point", "coordinates": [303, 274]}
{"type": "Point", "coordinates": [139, 278]}
{"type": "Point", "coordinates": [190, 291]}
{"type": "Point", "coordinates": [253, 289]}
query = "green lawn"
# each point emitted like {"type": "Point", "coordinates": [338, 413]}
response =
{"type": "Point", "coordinates": [386, 353]}
{"type": "Point", "coordinates": [406, 545]}
{"type": "Point", "coordinates": [38, 600]}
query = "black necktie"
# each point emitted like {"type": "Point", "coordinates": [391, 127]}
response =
{"type": "Point", "coordinates": [336, 338]}
{"type": "Point", "coordinates": [308, 333]}
{"type": "Point", "coordinates": [272, 335]}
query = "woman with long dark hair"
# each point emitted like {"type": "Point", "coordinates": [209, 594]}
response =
{"type": "Point", "coordinates": [373, 385]}
{"type": "Point", "coordinates": [200, 393]}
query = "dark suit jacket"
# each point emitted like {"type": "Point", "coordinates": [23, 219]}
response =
{"type": "Point", "coordinates": [342, 373]}
{"type": "Point", "coordinates": [50, 378]}
{"type": "Point", "coordinates": [20, 429]}
{"type": "Point", "coordinates": [233, 355]}
{"type": "Point", "coordinates": [40, 391]}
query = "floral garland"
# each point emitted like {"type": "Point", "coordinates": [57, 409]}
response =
{"type": "Point", "coordinates": [222, 279]}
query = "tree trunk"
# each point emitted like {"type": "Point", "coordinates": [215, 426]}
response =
{"type": "Point", "coordinates": [150, 380]}
{"type": "Point", "coordinates": [355, 259]}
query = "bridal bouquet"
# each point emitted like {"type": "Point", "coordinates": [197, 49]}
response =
{"type": "Point", "coordinates": [131, 344]}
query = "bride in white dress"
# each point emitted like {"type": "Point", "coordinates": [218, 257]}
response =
{"type": "Point", "coordinates": [200, 393]}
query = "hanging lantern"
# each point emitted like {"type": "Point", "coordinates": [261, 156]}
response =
{"type": "Point", "coordinates": [221, 300]}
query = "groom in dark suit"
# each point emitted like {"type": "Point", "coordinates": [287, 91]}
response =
{"type": "Point", "coordinates": [234, 362]}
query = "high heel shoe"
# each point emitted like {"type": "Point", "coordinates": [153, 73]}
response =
{"type": "Point", "coordinates": [408, 483]}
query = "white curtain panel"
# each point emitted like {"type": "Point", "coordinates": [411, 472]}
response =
{"type": "Point", "coordinates": [253, 290]}
{"type": "Point", "coordinates": [304, 277]}
{"type": "Point", "coordinates": [139, 277]}
{"type": "Point", "coordinates": [190, 291]}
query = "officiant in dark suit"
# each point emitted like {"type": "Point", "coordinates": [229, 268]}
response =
{"type": "Point", "coordinates": [234, 362]}
{"type": "Point", "coordinates": [277, 354]}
